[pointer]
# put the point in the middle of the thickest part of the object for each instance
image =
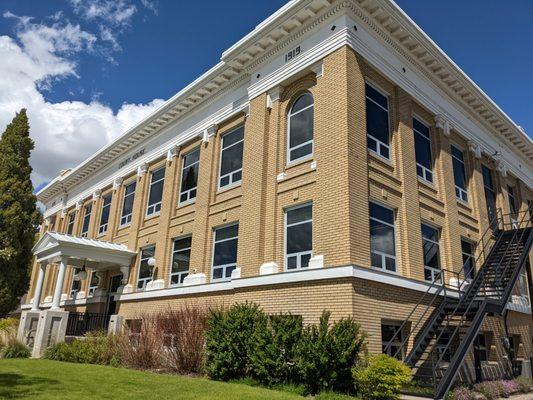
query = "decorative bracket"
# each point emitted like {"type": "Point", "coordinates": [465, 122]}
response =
{"type": "Point", "coordinates": [501, 167]}
{"type": "Point", "coordinates": [79, 204]}
{"type": "Point", "coordinates": [475, 149]}
{"type": "Point", "coordinates": [141, 169]}
{"type": "Point", "coordinates": [273, 95]}
{"type": "Point", "coordinates": [318, 69]}
{"type": "Point", "coordinates": [117, 182]}
{"type": "Point", "coordinates": [96, 195]}
{"type": "Point", "coordinates": [208, 132]}
{"type": "Point", "coordinates": [442, 124]}
{"type": "Point", "coordinates": [172, 152]}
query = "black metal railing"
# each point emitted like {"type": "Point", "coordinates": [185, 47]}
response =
{"type": "Point", "coordinates": [80, 323]}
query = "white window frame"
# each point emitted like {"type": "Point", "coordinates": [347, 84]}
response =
{"type": "Point", "coordinates": [289, 115]}
{"type": "Point", "coordinates": [380, 253]}
{"type": "Point", "coordinates": [125, 220]}
{"type": "Point", "coordinates": [224, 266]}
{"type": "Point", "coordinates": [151, 208]}
{"type": "Point", "coordinates": [301, 253]}
{"type": "Point", "coordinates": [425, 171]}
{"type": "Point", "coordinates": [433, 271]}
{"type": "Point", "coordinates": [69, 222]}
{"type": "Point", "coordinates": [179, 274]}
{"type": "Point", "coordinates": [231, 183]}
{"type": "Point", "coordinates": [83, 233]}
{"type": "Point", "coordinates": [188, 192]}
{"type": "Point", "coordinates": [145, 281]}
{"type": "Point", "coordinates": [460, 193]}
{"type": "Point", "coordinates": [102, 228]}
{"type": "Point", "coordinates": [92, 289]}
{"type": "Point", "coordinates": [379, 143]}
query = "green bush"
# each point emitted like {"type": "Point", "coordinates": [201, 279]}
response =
{"type": "Point", "coordinates": [93, 349]}
{"type": "Point", "coordinates": [230, 340]}
{"type": "Point", "coordinates": [8, 323]}
{"type": "Point", "coordinates": [325, 354]}
{"type": "Point", "coordinates": [381, 378]}
{"type": "Point", "coordinates": [274, 349]}
{"type": "Point", "coordinates": [15, 349]}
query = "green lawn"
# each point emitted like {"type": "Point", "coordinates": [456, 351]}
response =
{"type": "Point", "coordinates": [44, 379]}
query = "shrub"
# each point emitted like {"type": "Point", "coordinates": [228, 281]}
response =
{"type": "Point", "coordinates": [8, 323]}
{"type": "Point", "coordinates": [524, 385]}
{"type": "Point", "coordinates": [508, 388]}
{"type": "Point", "coordinates": [381, 378]}
{"type": "Point", "coordinates": [463, 393]}
{"type": "Point", "coordinates": [143, 349]}
{"type": "Point", "coordinates": [95, 348]}
{"type": "Point", "coordinates": [490, 389]}
{"type": "Point", "coordinates": [230, 340]}
{"type": "Point", "coordinates": [274, 349]}
{"type": "Point", "coordinates": [326, 355]}
{"type": "Point", "coordinates": [184, 335]}
{"type": "Point", "coordinates": [15, 349]}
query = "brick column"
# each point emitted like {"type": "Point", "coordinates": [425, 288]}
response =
{"type": "Point", "coordinates": [253, 225]}
{"type": "Point", "coordinates": [408, 225]}
{"type": "Point", "coordinates": [168, 204]}
{"type": "Point", "coordinates": [340, 209]}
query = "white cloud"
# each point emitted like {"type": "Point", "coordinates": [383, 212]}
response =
{"type": "Point", "coordinates": [67, 132]}
{"type": "Point", "coordinates": [116, 12]}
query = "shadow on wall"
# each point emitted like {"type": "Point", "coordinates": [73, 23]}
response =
{"type": "Point", "coordinates": [16, 386]}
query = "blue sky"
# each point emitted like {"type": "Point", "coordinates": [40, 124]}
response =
{"type": "Point", "coordinates": [100, 65]}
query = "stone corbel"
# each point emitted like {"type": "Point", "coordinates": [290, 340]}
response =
{"type": "Point", "coordinates": [246, 111]}
{"type": "Point", "coordinates": [475, 149]}
{"type": "Point", "coordinates": [125, 270]}
{"type": "Point", "coordinates": [318, 69]}
{"type": "Point", "coordinates": [501, 167]}
{"type": "Point", "coordinates": [172, 152]}
{"type": "Point", "coordinates": [96, 195]}
{"type": "Point", "coordinates": [209, 132]}
{"type": "Point", "coordinates": [64, 212]}
{"type": "Point", "coordinates": [116, 183]}
{"type": "Point", "coordinates": [141, 169]}
{"type": "Point", "coordinates": [79, 204]}
{"type": "Point", "coordinates": [442, 124]}
{"type": "Point", "coordinates": [273, 95]}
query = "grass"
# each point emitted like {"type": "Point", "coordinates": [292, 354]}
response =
{"type": "Point", "coordinates": [47, 380]}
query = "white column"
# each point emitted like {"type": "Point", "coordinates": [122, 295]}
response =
{"type": "Point", "coordinates": [59, 284]}
{"type": "Point", "coordinates": [39, 287]}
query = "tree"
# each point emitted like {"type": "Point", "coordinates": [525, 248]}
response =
{"type": "Point", "coordinates": [19, 216]}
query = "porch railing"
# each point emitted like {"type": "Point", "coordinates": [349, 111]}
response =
{"type": "Point", "coordinates": [80, 323]}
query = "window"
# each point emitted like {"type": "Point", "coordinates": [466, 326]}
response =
{"type": "Point", "coordinates": [93, 283]}
{"type": "Point", "coordinates": [300, 127]}
{"type": "Point", "coordinates": [490, 194]}
{"type": "Point", "coordinates": [388, 330]}
{"type": "Point", "coordinates": [189, 176]}
{"type": "Point", "coordinates": [181, 257]}
{"type": "Point", "coordinates": [513, 205]}
{"type": "Point", "coordinates": [86, 219]}
{"type": "Point", "coordinates": [382, 245]}
{"type": "Point", "coordinates": [127, 204]}
{"type": "Point", "coordinates": [145, 270]}
{"type": "Point", "coordinates": [231, 158]}
{"type": "Point", "coordinates": [424, 164]}
{"type": "Point", "coordinates": [298, 236]}
{"type": "Point", "coordinates": [70, 223]}
{"type": "Point", "coordinates": [157, 178]}
{"type": "Point", "coordinates": [377, 122]}
{"type": "Point", "coordinates": [225, 251]}
{"type": "Point", "coordinates": [480, 345]}
{"type": "Point", "coordinates": [430, 241]}
{"type": "Point", "coordinates": [459, 173]}
{"type": "Point", "coordinates": [104, 219]}
{"type": "Point", "coordinates": [75, 288]}
{"type": "Point", "coordinates": [468, 259]}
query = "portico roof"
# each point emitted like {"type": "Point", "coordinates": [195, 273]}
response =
{"type": "Point", "coordinates": [79, 251]}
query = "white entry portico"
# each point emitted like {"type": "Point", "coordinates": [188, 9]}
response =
{"type": "Point", "coordinates": [76, 252]}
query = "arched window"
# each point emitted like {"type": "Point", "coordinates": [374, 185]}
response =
{"type": "Point", "coordinates": [300, 124]}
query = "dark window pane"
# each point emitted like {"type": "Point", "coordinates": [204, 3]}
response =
{"type": "Point", "coordinates": [382, 237]}
{"type": "Point", "coordinates": [227, 232]}
{"type": "Point", "coordinates": [292, 262]}
{"type": "Point", "coordinates": [305, 260]}
{"type": "Point", "coordinates": [301, 127]}
{"type": "Point", "coordinates": [184, 243]}
{"type": "Point", "coordinates": [225, 252]}
{"type": "Point", "coordinates": [130, 188]}
{"type": "Point", "coordinates": [231, 159]}
{"type": "Point", "coordinates": [423, 150]}
{"type": "Point", "coordinates": [459, 174]}
{"type": "Point", "coordinates": [381, 213]}
{"type": "Point", "coordinates": [299, 214]}
{"type": "Point", "coordinates": [301, 151]}
{"type": "Point", "coordinates": [299, 238]}
{"type": "Point", "coordinates": [377, 122]}
{"type": "Point", "coordinates": [305, 100]}
{"type": "Point", "coordinates": [430, 233]}
{"type": "Point", "coordinates": [158, 174]}
{"type": "Point", "coordinates": [190, 178]}
{"type": "Point", "coordinates": [421, 128]}
{"type": "Point", "coordinates": [376, 96]}
{"type": "Point", "coordinates": [156, 193]}
{"type": "Point", "coordinates": [457, 153]}
{"type": "Point", "coordinates": [191, 158]}
{"type": "Point", "coordinates": [232, 137]}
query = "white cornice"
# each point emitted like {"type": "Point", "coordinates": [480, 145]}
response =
{"type": "Point", "coordinates": [388, 23]}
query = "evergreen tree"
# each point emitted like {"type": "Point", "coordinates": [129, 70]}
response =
{"type": "Point", "coordinates": [19, 216]}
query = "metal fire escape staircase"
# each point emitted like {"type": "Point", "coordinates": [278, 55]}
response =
{"type": "Point", "coordinates": [446, 320]}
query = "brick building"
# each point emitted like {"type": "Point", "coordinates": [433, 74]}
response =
{"type": "Point", "coordinates": [334, 159]}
